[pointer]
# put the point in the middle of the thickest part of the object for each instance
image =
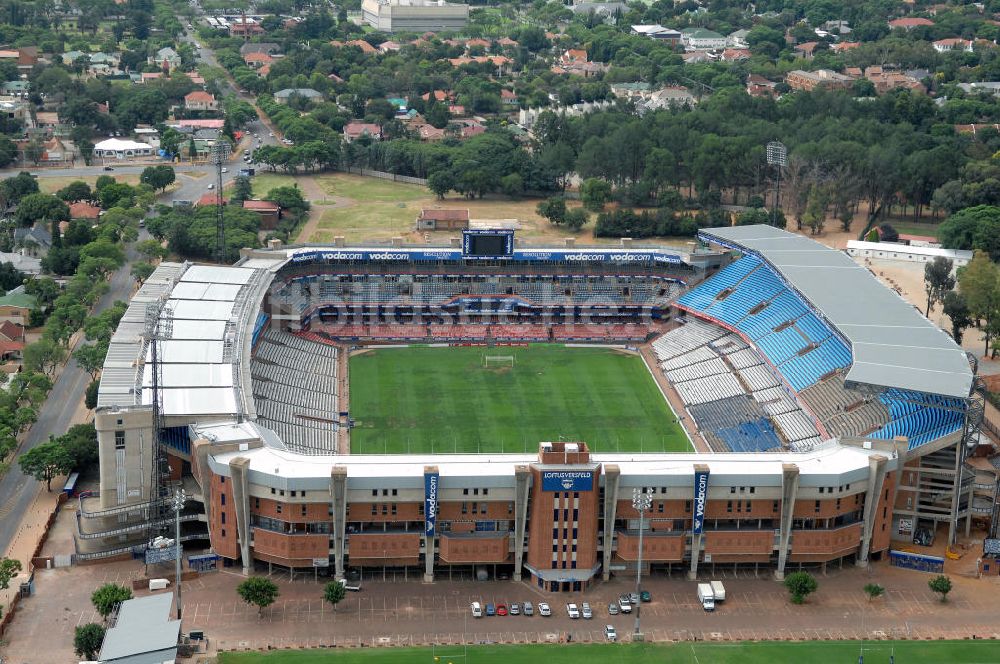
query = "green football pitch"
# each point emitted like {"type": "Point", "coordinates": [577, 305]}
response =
{"type": "Point", "coordinates": [818, 652]}
{"type": "Point", "coordinates": [443, 400]}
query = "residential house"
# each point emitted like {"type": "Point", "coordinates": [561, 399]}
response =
{"type": "Point", "coordinates": [103, 64]}
{"type": "Point", "coordinates": [365, 47]}
{"type": "Point", "coordinates": [701, 39]}
{"type": "Point", "coordinates": [48, 120]}
{"type": "Point", "coordinates": [428, 132]}
{"type": "Point", "coordinates": [17, 88]}
{"type": "Point", "coordinates": [909, 23]}
{"type": "Point", "coordinates": [209, 199]}
{"type": "Point", "coordinates": [115, 148]}
{"type": "Point", "coordinates": [389, 47]}
{"type": "Point", "coordinates": [501, 62]}
{"type": "Point", "coordinates": [992, 87]}
{"type": "Point", "coordinates": [758, 86]}
{"type": "Point", "coordinates": [245, 26]}
{"type": "Point", "coordinates": [11, 331]}
{"type": "Point", "coordinates": [256, 59]}
{"type": "Point", "coordinates": [270, 48]}
{"type": "Point", "coordinates": [837, 27]}
{"type": "Point", "coordinates": [507, 42]}
{"type": "Point", "coordinates": [15, 307]}
{"type": "Point", "coordinates": [439, 95]}
{"type": "Point", "coordinates": [269, 213]}
{"type": "Point", "coordinates": [84, 210]}
{"type": "Point", "coordinates": [282, 96]}
{"type": "Point", "coordinates": [508, 97]}
{"type": "Point", "coordinates": [573, 55]}
{"type": "Point", "coordinates": [657, 32]}
{"type": "Point", "coordinates": [821, 78]}
{"type": "Point", "coordinates": [840, 47]}
{"type": "Point", "coordinates": [952, 44]}
{"type": "Point", "coordinates": [35, 241]}
{"type": "Point", "coordinates": [584, 69]}
{"type": "Point", "coordinates": [476, 42]}
{"type": "Point", "coordinates": [456, 110]}
{"type": "Point", "coordinates": [696, 56]}
{"type": "Point", "coordinates": [22, 262]}
{"type": "Point", "coordinates": [199, 100]}
{"type": "Point", "coordinates": [805, 49]}
{"type": "Point", "coordinates": [738, 39]}
{"type": "Point", "coordinates": [647, 99]}
{"type": "Point", "coordinates": [436, 219]}
{"type": "Point", "coordinates": [167, 58]}
{"type": "Point", "coordinates": [13, 108]}
{"type": "Point", "coordinates": [355, 130]}
{"type": "Point", "coordinates": [735, 55]}
{"type": "Point", "coordinates": [147, 76]}
{"type": "Point", "coordinates": [886, 80]}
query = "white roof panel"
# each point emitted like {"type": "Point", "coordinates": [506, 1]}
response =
{"type": "Point", "coordinates": [189, 352]}
{"type": "Point", "coordinates": [183, 401]}
{"type": "Point", "coordinates": [201, 310]}
{"type": "Point", "coordinates": [190, 290]}
{"type": "Point", "coordinates": [191, 375]}
{"type": "Point", "coordinates": [198, 329]}
{"type": "Point", "coordinates": [215, 274]}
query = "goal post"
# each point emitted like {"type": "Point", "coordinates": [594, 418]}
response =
{"type": "Point", "coordinates": [498, 361]}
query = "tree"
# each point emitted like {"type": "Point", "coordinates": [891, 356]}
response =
{"type": "Point", "coordinates": [553, 209]}
{"type": "Point", "coordinates": [800, 584]}
{"type": "Point", "coordinates": [957, 310]}
{"type": "Point", "coordinates": [90, 357]}
{"type": "Point", "coordinates": [151, 249]}
{"type": "Point", "coordinates": [753, 216]}
{"type": "Point", "coordinates": [33, 151]}
{"type": "Point", "coordinates": [595, 192]}
{"type": "Point", "coordinates": [107, 598]}
{"type": "Point", "coordinates": [46, 461]}
{"type": "Point", "coordinates": [887, 233]}
{"type": "Point", "coordinates": [440, 183]}
{"type": "Point", "coordinates": [158, 177]}
{"type": "Point", "coordinates": [41, 207]}
{"type": "Point", "coordinates": [258, 591]}
{"type": "Point", "coordinates": [980, 285]}
{"type": "Point", "coordinates": [937, 281]}
{"type": "Point", "coordinates": [973, 228]}
{"type": "Point", "coordinates": [576, 219]}
{"type": "Point", "coordinates": [90, 397]}
{"type": "Point", "coordinates": [9, 568]}
{"type": "Point", "coordinates": [940, 584]}
{"type": "Point", "coordinates": [334, 592]}
{"type": "Point", "coordinates": [87, 640]}
{"type": "Point", "coordinates": [141, 271]}
{"type": "Point", "coordinates": [43, 355]}
{"type": "Point", "coordinates": [242, 190]}
{"type": "Point", "coordinates": [873, 590]}
{"type": "Point", "coordinates": [78, 190]}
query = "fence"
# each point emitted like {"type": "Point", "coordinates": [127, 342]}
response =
{"type": "Point", "coordinates": [368, 173]}
{"type": "Point", "coordinates": [916, 561]}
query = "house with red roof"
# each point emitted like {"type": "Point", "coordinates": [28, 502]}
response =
{"type": "Point", "coordinates": [268, 211]}
{"type": "Point", "coordinates": [256, 60]}
{"type": "Point", "coordinates": [355, 130]}
{"type": "Point", "coordinates": [909, 23]}
{"type": "Point", "coordinates": [84, 210]}
{"type": "Point", "coordinates": [199, 100]}
{"type": "Point", "coordinates": [365, 47]}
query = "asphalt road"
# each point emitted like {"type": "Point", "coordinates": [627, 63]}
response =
{"type": "Point", "coordinates": [17, 491]}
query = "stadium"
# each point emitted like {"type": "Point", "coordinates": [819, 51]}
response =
{"type": "Point", "coordinates": [491, 408]}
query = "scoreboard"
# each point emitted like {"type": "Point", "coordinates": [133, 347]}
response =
{"type": "Point", "coordinates": [487, 244]}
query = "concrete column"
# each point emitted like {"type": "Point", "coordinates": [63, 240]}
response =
{"type": "Point", "coordinates": [956, 493]}
{"type": "Point", "coordinates": [522, 488]}
{"type": "Point", "coordinates": [338, 503]}
{"type": "Point", "coordinates": [696, 538]}
{"type": "Point", "coordinates": [877, 465]}
{"type": "Point", "coordinates": [239, 469]}
{"type": "Point", "coordinates": [612, 475]}
{"type": "Point", "coordinates": [789, 490]}
{"type": "Point", "coordinates": [429, 541]}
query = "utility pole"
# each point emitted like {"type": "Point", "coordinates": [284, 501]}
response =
{"type": "Point", "coordinates": [179, 499]}
{"type": "Point", "coordinates": [777, 156]}
{"type": "Point", "coordinates": [220, 156]}
{"type": "Point", "coordinates": [641, 501]}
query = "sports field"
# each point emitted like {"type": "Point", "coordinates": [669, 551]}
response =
{"type": "Point", "coordinates": [818, 652]}
{"type": "Point", "coordinates": [441, 400]}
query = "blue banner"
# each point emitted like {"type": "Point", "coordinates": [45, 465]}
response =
{"type": "Point", "coordinates": [567, 480]}
{"type": "Point", "coordinates": [407, 255]}
{"type": "Point", "coordinates": [430, 503]}
{"type": "Point", "coordinates": [700, 499]}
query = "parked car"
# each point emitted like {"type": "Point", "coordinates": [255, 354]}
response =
{"type": "Point", "coordinates": [491, 610]}
{"type": "Point", "coordinates": [477, 610]}
{"type": "Point", "coordinates": [624, 604]}
{"type": "Point", "coordinates": [645, 596]}
{"type": "Point", "coordinates": [529, 610]}
{"type": "Point", "coordinates": [109, 168]}
{"type": "Point", "coordinates": [544, 610]}
{"type": "Point", "coordinates": [609, 633]}
{"type": "Point", "coordinates": [501, 609]}
{"type": "Point", "coordinates": [633, 598]}
{"type": "Point", "coordinates": [572, 611]}
{"type": "Point", "coordinates": [586, 612]}
{"type": "Point", "coordinates": [515, 609]}
{"type": "Point", "coordinates": [225, 170]}
{"type": "Point", "coordinates": [613, 609]}
{"type": "Point", "coordinates": [211, 186]}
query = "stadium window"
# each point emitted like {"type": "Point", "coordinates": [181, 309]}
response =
{"type": "Point", "coordinates": [555, 548]}
{"type": "Point", "coordinates": [729, 506]}
{"type": "Point", "coordinates": [572, 564]}
{"type": "Point", "coordinates": [821, 489]}
{"type": "Point", "coordinates": [272, 491]}
{"type": "Point", "coordinates": [119, 440]}
{"type": "Point", "coordinates": [465, 492]}
{"type": "Point", "coordinates": [555, 534]}
{"type": "Point", "coordinates": [485, 505]}
{"type": "Point", "coordinates": [465, 508]}
{"type": "Point", "coordinates": [659, 507]}
{"type": "Point", "coordinates": [223, 517]}
{"type": "Point", "coordinates": [374, 492]}
{"type": "Point", "coordinates": [475, 492]}
{"type": "Point", "coordinates": [385, 492]}
{"type": "Point", "coordinates": [510, 508]}
{"type": "Point", "coordinates": [420, 509]}
{"type": "Point", "coordinates": [222, 480]}
{"type": "Point", "coordinates": [395, 492]}
{"type": "Point", "coordinates": [256, 503]}
{"type": "Point", "coordinates": [291, 494]}
{"type": "Point", "coordinates": [223, 532]}
{"type": "Point", "coordinates": [739, 505]}
{"type": "Point", "coordinates": [576, 515]}
{"type": "Point", "coordinates": [281, 492]}
{"type": "Point", "coordinates": [576, 494]}
{"type": "Point", "coordinates": [838, 503]}
{"type": "Point", "coordinates": [475, 507]}
{"type": "Point", "coordinates": [732, 489]}
{"type": "Point", "coordinates": [555, 514]}
{"type": "Point", "coordinates": [774, 506]}
{"type": "Point", "coordinates": [816, 509]}
{"type": "Point", "coordinates": [753, 489]}
{"type": "Point", "coordinates": [687, 505]}
{"type": "Point", "coordinates": [749, 503]}
{"type": "Point", "coordinates": [393, 509]}
{"type": "Point", "coordinates": [222, 498]}
{"type": "Point", "coordinates": [385, 509]}
{"type": "Point", "coordinates": [374, 509]}
{"type": "Point", "coordinates": [304, 507]}
{"type": "Point", "coordinates": [277, 508]}
{"type": "Point", "coordinates": [574, 537]}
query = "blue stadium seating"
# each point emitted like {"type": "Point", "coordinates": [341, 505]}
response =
{"type": "Point", "coordinates": [756, 436]}
{"type": "Point", "coordinates": [919, 423]}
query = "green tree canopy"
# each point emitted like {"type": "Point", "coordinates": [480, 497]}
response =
{"type": "Point", "coordinates": [87, 640]}
{"type": "Point", "coordinates": [45, 461]}
{"type": "Point", "coordinates": [799, 585]}
{"type": "Point", "coordinates": [107, 598]}
{"type": "Point", "coordinates": [258, 591]}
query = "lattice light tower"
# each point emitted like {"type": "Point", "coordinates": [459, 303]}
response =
{"type": "Point", "coordinates": [220, 157]}
{"type": "Point", "coordinates": [641, 501]}
{"type": "Point", "coordinates": [777, 156]}
{"type": "Point", "coordinates": [159, 326]}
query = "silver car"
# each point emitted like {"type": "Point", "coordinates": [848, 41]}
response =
{"type": "Point", "coordinates": [514, 609]}
{"type": "Point", "coordinates": [610, 633]}
{"type": "Point", "coordinates": [544, 610]}
{"type": "Point", "coordinates": [529, 609]}
{"type": "Point", "coordinates": [585, 611]}
{"type": "Point", "coordinates": [612, 609]}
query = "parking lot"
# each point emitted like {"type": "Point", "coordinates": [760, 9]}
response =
{"type": "Point", "coordinates": [414, 613]}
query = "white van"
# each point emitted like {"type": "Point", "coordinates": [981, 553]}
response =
{"type": "Point", "coordinates": [477, 610]}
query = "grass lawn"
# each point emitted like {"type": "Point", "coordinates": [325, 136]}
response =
{"type": "Point", "coordinates": [266, 182]}
{"type": "Point", "coordinates": [50, 185]}
{"type": "Point", "coordinates": [442, 400]}
{"type": "Point", "coordinates": [911, 228]}
{"type": "Point", "coordinates": [836, 652]}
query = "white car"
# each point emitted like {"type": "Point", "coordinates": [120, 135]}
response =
{"type": "Point", "coordinates": [544, 610]}
{"type": "Point", "coordinates": [225, 170]}
{"type": "Point", "coordinates": [211, 186]}
{"type": "Point", "coordinates": [610, 633]}
{"type": "Point", "coordinates": [624, 604]}
{"type": "Point", "coordinates": [585, 611]}
{"type": "Point", "coordinates": [572, 611]}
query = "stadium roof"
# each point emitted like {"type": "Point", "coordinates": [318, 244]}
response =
{"type": "Point", "coordinates": [893, 344]}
